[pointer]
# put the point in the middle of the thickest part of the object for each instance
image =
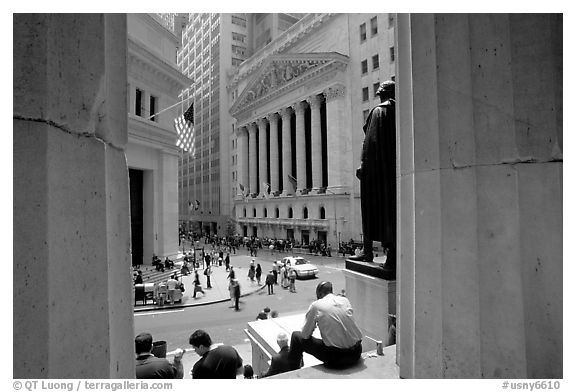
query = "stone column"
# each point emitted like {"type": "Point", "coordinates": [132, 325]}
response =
{"type": "Point", "coordinates": [315, 103]}
{"type": "Point", "coordinates": [253, 158]}
{"type": "Point", "coordinates": [339, 138]}
{"type": "Point", "coordinates": [480, 270]}
{"type": "Point", "coordinates": [274, 155]}
{"type": "Point", "coordinates": [300, 146]}
{"type": "Point", "coordinates": [262, 155]}
{"type": "Point", "coordinates": [242, 137]}
{"type": "Point", "coordinates": [71, 198]}
{"type": "Point", "coordinates": [288, 188]}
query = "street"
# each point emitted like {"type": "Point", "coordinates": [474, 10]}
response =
{"type": "Point", "coordinates": [226, 325]}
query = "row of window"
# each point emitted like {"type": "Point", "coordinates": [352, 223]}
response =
{"type": "Point", "coordinates": [140, 108]}
{"type": "Point", "coordinates": [374, 27]}
{"type": "Point", "coordinates": [321, 213]}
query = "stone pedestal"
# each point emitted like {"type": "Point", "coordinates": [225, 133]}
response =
{"type": "Point", "coordinates": [372, 299]}
{"type": "Point", "coordinates": [262, 335]}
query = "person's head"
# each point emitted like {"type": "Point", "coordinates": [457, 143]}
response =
{"type": "Point", "coordinates": [143, 343]}
{"type": "Point", "coordinates": [266, 310]}
{"type": "Point", "coordinates": [248, 371]}
{"type": "Point", "coordinates": [386, 90]}
{"type": "Point", "coordinates": [200, 341]}
{"type": "Point", "coordinates": [274, 314]}
{"type": "Point", "coordinates": [324, 288]}
{"type": "Point", "coordinates": [282, 340]}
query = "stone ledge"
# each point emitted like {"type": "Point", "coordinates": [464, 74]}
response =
{"type": "Point", "coordinates": [371, 366]}
{"type": "Point", "coordinates": [371, 269]}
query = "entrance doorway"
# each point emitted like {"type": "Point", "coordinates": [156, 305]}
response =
{"type": "Point", "coordinates": [322, 236]}
{"type": "Point", "coordinates": [137, 215]}
{"type": "Point", "coordinates": [290, 234]}
{"type": "Point", "coordinates": [305, 237]}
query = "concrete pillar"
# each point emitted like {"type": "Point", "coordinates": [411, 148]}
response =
{"type": "Point", "coordinates": [253, 158]}
{"type": "Point", "coordinates": [315, 103]}
{"type": "Point", "coordinates": [339, 137]}
{"type": "Point", "coordinates": [480, 270]}
{"type": "Point", "coordinates": [288, 188]}
{"type": "Point", "coordinates": [300, 145]}
{"type": "Point", "coordinates": [274, 155]}
{"type": "Point", "coordinates": [242, 137]}
{"type": "Point", "coordinates": [262, 156]}
{"type": "Point", "coordinates": [71, 198]}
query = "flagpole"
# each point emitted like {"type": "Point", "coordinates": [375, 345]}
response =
{"type": "Point", "coordinates": [168, 108]}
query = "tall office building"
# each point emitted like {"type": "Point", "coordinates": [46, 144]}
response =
{"type": "Point", "coordinates": [299, 104]}
{"type": "Point", "coordinates": [213, 46]}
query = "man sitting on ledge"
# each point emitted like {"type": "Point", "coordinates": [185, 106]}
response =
{"type": "Point", "coordinates": [341, 343]}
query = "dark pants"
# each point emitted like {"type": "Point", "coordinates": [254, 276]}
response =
{"type": "Point", "coordinates": [208, 282]}
{"type": "Point", "coordinates": [236, 302]}
{"type": "Point", "coordinates": [331, 356]}
{"type": "Point", "coordinates": [270, 288]}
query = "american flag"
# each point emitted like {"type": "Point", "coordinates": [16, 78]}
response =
{"type": "Point", "coordinates": [184, 125]}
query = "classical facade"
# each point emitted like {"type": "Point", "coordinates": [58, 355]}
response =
{"type": "Point", "coordinates": [154, 83]}
{"type": "Point", "coordinates": [299, 107]}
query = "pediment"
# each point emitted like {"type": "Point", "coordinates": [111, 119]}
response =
{"type": "Point", "coordinates": [282, 73]}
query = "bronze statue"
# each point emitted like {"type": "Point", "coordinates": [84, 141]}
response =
{"type": "Point", "coordinates": [377, 175]}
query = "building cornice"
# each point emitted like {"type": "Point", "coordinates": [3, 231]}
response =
{"type": "Point", "coordinates": [139, 55]}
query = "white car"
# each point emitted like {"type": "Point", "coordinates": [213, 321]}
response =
{"type": "Point", "coordinates": [302, 266]}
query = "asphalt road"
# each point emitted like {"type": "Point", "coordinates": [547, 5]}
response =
{"type": "Point", "coordinates": [226, 325]}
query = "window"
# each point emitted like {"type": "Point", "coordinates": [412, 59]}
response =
{"type": "Point", "coordinates": [277, 213]}
{"type": "Point", "coordinates": [322, 213]}
{"type": "Point", "coordinates": [391, 54]}
{"type": "Point", "coordinates": [305, 213]}
{"type": "Point", "coordinates": [365, 96]}
{"type": "Point", "coordinates": [138, 109]}
{"type": "Point", "coordinates": [364, 66]}
{"type": "Point", "coordinates": [374, 26]}
{"type": "Point", "coordinates": [393, 78]}
{"type": "Point", "coordinates": [390, 21]}
{"type": "Point", "coordinates": [375, 62]}
{"type": "Point", "coordinates": [265, 212]}
{"type": "Point", "coordinates": [236, 62]}
{"type": "Point", "coordinates": [153, 108]}
{"type": "Point", "coordinates": [244, 212]}
{"type": "Point", "coordinates": [290, 214]}
{"type": "Point", "coordinates": [375, 86]}
{"type": "Point", "coordinates": [254, 212]}
{"type": "Point", "coordinates": [363, 32]}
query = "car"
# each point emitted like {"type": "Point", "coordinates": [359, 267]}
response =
{"type": "Point", "coordinates": [302, 266]}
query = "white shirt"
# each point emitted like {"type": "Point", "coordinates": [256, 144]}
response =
{"type": "Point", "coordinates": [333, 315]}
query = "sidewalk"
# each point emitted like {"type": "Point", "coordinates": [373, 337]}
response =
{"type": "Point", "coordinates": [219, 281]}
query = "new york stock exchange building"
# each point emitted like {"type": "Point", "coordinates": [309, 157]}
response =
{"type": "Point", "coordinates": [298, 130]}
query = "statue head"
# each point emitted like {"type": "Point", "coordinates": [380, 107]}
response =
{"type": "Point", "coordinates": [386, 89]}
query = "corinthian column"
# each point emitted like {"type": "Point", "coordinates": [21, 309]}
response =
{"type": "Point", "coordinates": [242, 137]}
{"type": "Point", "coordinates": [288, 189]}
{"type": "Point", "coordinates": [253, 160]}
{"type": "Point", "coordinates": [274, 156]}
{"type": "Point", "coordinates": [262, 155]}
{"type": "Point", "coordinates": [315, 102]}
{"type": "Point", "coordinates": [300, 145]}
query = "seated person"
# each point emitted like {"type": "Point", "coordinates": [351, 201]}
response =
{"type": "Point", "coordinates": [148, 366]}
{"type": "Point", "coordinates": [281, 361]}
{"type": "Point", "coordinates": [341, 343]}
{"type": "Point", "coordinates": [263, 315]}
{"type": "Point", "coordinates": [216, 361]}
{"type": "Point", "coordinates": [168, 263]}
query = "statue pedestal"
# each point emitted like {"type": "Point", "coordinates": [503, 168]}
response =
{"type": "Point", "coordinates": [372, 299]}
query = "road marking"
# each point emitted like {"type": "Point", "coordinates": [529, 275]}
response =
{"type": "Point", "coordinates": [154, 313]}
{"type": "Point", "coordinates": [334, 268]}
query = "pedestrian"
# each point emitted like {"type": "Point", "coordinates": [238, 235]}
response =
{"type": "Point", "coordinates": [292, 277]}
{"type": "Point", "coordinates": [280, 362]}
{"type": "Point", "coordinates": [227, 262]}
{"type": "Point", "coordinates": [275, 272]}
{"type": "Point", "coordinates": [236, 293]}
{"type": "Point", "coordinates": [172, 283]}
{"type": "Point", "coordinates": [216, 361]}
{"type": "Point", "coordinates": [232, 273]}
{"type": "Point", "coordinates": [270, 282]}
{"type": "Point", "coordinates": [208, 273]}
{"type": "Point", "coordinates": [197, 285]}
{"type": "Point", "coordinates": [283, 277]}
{"type": "Point", "coordinates": [258, 273]}
{"type": "Point", "coordinates": [251, 273]}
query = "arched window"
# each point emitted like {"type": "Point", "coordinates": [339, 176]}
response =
{"type": "Point", "coordinates": [305, 213]}
{"type": "Point", "coordinates": [254, 212]}
{"type": "Point", "coordinates": [244, 212]}
{"type": "Point", "coordinates": [290, 215]}
{"type": "Point", "coordinates": [277, 212]}
{"type": "Point", "coordinates": [322, 213]}
{"type": "Point", "coordinates": [265, 212]}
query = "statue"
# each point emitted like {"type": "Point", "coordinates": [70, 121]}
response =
{"type": "Point", "coordinates": [377, 175]}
